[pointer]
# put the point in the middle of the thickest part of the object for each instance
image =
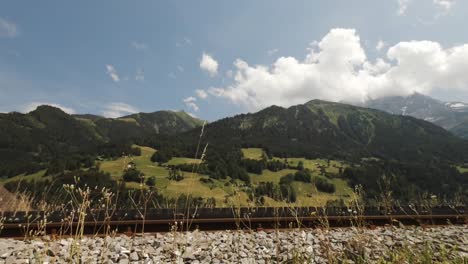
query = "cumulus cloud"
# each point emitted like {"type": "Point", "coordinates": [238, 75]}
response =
{"type": "Point", "coordinates": [118, 109]}
{"type": "Point", "coordinates": [402, 6]}
{"type": "Point", "coordinates": [140, 46]}
{"type": "Point", "coordinates": [208, 64]}
{"type": "Point", "coordinates": [8, 29]}
{"type": "Point", "coordinates": [202, 94]}
{"type": "Point", "coordinates": [445, 5]}
{"type": "Point", "coordinates": [380, 45]}
{"type": "Point", "coordinates": [112, 73]}
{"type": "Point", "coordinates": [33, 105]}
{"type": "Point", "coordinates": [337, 69]}
{"type": "Point", "coordinates": [190, 103]}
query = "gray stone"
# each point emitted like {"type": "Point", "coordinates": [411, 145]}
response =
{"type": "Point", "coordinates": [124, 251]}
{"type": "Point", "coordinates": [134, 256]}
{"type": "Point", "coordinates": [188, 254]}
{"type": "Point", "coordinates": [124, 261]}
{"type": "Point", "coordinates": [242, 254]}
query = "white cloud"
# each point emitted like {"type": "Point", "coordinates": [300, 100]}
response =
{"type": "Point", "coordinates": [446, 5]}
{"type": "Point", "coordinates": [33, 105]}
{"type": "Point", "coordinates": [180, 68]}
{"type": "Point", "coordinates": [190, 99]}
{"type": "Point", "coordinates": [192, 114]}
{"type": "Point", "coordinates": [112, 73]}
{"type": "Point", "coordinates": [202, 94]}
{"type": "Point", "coordinates": [272, 52]}
{"type": "Point", "coordinates": [140, 46]}
{"type": "Point", "coordinates": [337, 69]}
{"type": "Point", "coordinates": [8, 29]}
{"type": "Point", "coordinates": [118, 109]}
{"type": "Point", "coordinates": [380, 45]}
{"type": "Point", "coordinates": [190, 103]}
{"type": "Point", "coordinates": [140, 75]}
{"type": "Point", "coordinates": [208, 64]}
{"type": "Point", "coordinates": [402, 6]}
{"type": "Point", "coordinates": [171, 75]}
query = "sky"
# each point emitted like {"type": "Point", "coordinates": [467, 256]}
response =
{"type": "Point", "coordinates": [219, 58]}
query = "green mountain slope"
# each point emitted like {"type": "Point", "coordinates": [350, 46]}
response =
{"type": "Point", "coordinates": [409, 155]}
{"type": "Point", "coordinates": [139, 125]}
{"type": "Point", "coordinates": [461, 130]}
{"type": "Point", "coordinates": [337, 131]}
{"type": "Point", "coordinates": [417, 156]}
{"type": "Point", "coordinates": [48, 135]}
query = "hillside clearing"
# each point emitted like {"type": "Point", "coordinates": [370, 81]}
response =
{"type": "Point", "coordinates": [252, 153]}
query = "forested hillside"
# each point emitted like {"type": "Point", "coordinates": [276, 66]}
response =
{"type": "Point", "coordinates": [416, 155]}
{"type": "Point", "coordinates": [339, 146]}
{"type": "Point", "coordinates": [48, 138]}
{"type": "Point", "coordinates": [335, 131]}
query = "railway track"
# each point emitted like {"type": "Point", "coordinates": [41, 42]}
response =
{"type": "Point", "coordinates": [21, 224]}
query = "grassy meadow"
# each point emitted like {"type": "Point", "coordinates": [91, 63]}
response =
{"type": "Point", "coordinates": [224, 191]}
{"type": "Point", "coordinates": [252, 153]}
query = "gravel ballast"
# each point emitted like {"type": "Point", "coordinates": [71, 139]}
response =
{"type": "Point", "coordinates": [297, 246]}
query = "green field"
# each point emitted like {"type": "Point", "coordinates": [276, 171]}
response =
{"type": "Point", "coordinates": [269, 176]}
{"type": "Point", "coordinates": [461, 169]}
{"type": "Point", "coordinates": [308, 195]}
{"type": "Point", "coordinates": [252, 153]}
{"type": "Point", "coordinates": [143, 163]}
{"type": "Point", "coordinates": [181, 160]}
{"type": "Point", "coordinates": [223, 191]}
{"type": "Point", "coordinates": [330, 166]}
{"type": "Point", "coordinates": [38, 176]}
{"type": "Point", "coordinates": [190, 185]}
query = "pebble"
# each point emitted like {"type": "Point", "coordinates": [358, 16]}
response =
{"type": "Point", "coordinates": [310, 245]}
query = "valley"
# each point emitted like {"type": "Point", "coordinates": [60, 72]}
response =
{"type": "Point", "coordinates": [313, 154]}
{"type": "Point", "coordinates": [226, 192]}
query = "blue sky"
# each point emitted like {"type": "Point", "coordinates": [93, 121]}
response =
{"type": "Point", "coordinates": [114, 57]}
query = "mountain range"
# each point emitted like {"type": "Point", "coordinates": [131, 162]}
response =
{"type": "Point", "coordinates": [452, 116]}
{"type": "Point", "coordinates": [30, 141]}
{"type": "Point", "coordinates": [314, 129]}
{"type": "Point", "coordinates": [321, 129]}
{"type": "Point", "coordinates": [421, 155]}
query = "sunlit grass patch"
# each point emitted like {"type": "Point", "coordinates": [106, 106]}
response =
{"type": "Point", "coordinates": [191, 185]}
{"type": "Point", "coordinates": [330, 166]}
{"type": "Point", "coordinates": [143, 163]}
{"type": "Point", "coordinates": [37, 176]}
{"type": "Point", "coordinates": [269, 176]}
{"type": "Point", "coordinates": [462, 169]}
{"type": "Point", "coordinates": [128, 119]}
{"type": "Point", "coordinates": [182, 160]}
{"type": "Point", "coordinates": [253, 153]}
{"type": "Point", "coordinates": [308, 195]}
